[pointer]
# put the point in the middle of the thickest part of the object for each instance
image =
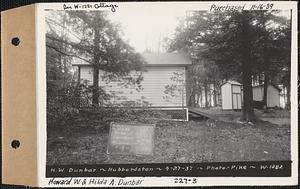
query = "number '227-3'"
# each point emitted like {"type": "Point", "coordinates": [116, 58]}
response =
{"type": "Point", "coordinates": [185, 180]}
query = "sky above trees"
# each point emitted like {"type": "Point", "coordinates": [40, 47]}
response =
{"type": "Point", "coordinates": [146, 27]}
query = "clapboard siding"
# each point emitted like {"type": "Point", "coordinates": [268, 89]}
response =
{"type": "Point", "coordinates": [236, 89]}
{"type": "Point", "coordinates": [273, 95]}
{"type": "Point", "coordinates": [258, 93]}
{"type": "Point", "coordinates": [86, 73]}
{"type": "Point", "coordinates": [153, 86]}
{"type": "Point", "coordinates": [226, 96]}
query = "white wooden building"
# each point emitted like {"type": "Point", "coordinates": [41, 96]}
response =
{"type": "Point", "coordinates": [160, 68]}
{"type": "Point", "coordinates": [273, 94]}
{"type": "Point", "coordinates": [231, 92]}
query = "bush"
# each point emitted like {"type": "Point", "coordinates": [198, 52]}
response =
{"type": "Point", "coordinates": [64, 102]}
{"type": "Point", "coordinates": [72, 104]}
{"type": "Point", "coordinates": [105, 115]}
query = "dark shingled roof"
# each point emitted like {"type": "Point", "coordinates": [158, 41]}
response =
{"type": "Point", "coordinates": [262, 85]}
{"type": "Point", "coordinates": [154, 59]}
{"type": "Point", "coordinates": [167, 58]}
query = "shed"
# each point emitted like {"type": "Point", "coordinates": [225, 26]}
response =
{"type": "Point", "coordinates": [160, 68]}
{"type": "Point", "coordinates": [273, 94]}
{"type": "Point", "coordinates": [231, 92]}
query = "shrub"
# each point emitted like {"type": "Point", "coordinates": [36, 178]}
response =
{"type": "Point", "coordinates": [64, 102]}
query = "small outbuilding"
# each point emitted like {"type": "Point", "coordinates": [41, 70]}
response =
{"type": "Point", "coordinates": [231, 92]}
{"type": "Point", "coordinates": [273, 95]}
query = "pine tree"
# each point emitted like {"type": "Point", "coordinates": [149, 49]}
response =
{"type": "Point", "coordinates": [99, 42]}
{"type": "Point", "coordinates": [240, 43]}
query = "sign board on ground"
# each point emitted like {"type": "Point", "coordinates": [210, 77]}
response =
{"type": "Point", "coordinates": [131, 138]}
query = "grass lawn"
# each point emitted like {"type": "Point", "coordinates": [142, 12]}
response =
{"type": "Point", "coordinates": [175, 142]}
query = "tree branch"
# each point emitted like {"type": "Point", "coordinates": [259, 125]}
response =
{"type": "Point", "coordinates": [66, 54]}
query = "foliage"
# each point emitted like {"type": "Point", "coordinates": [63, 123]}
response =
{"type": "Point", "coordinates": [177, 89]}
{"type": "Point", "coordinates": [101, 117]}
{"type": "Point", "coordinates": [64, 103]}
{"type": "Point", "coordinates": [239, 43]}
{"type": "Point", "coordinates": [92, 38]}
{"type": "Point", "coordinates": [86, 36]}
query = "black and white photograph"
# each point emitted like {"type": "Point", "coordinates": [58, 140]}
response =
{"type": "Point", "coordinates": [167, 86]}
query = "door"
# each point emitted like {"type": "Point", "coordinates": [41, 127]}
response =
{"type": "Point", "coordinates": [236, 101]}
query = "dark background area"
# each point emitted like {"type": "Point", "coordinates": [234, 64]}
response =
{"type": "Point", "coordinates": [9, 4]}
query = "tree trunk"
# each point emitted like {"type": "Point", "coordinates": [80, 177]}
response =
{"type": "Point", "coordinates": [288, 98]}
{"type": "Point", "coordinates": [205, 94]}
{"type": "Point", "coordinates": [248, 113]}
{"type": "Point", "coordinates": [197, 99]}
{"type": "Point", "coordinates": [200, 97]}
{"type": "Point", "coordinates": [265, 94]}
{"type": "Point", "coordinates": [192, 98]}
{"type": "Point", "coordinates": [64, 47]}
{"type": "Point", "coordinates": [95, 96]}
{"type": "Point", "coordinates": [95, 86]}
{"type": "Point", "coordinates": [215, 94]}
{"type": "Point", "coordinates": [260, 80]}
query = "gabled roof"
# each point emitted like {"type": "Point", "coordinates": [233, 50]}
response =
{"type": "Point", "coordinates": [154, 59]}
{"type": "Point", "coordinates": [232, 82]}
{"type": "Point", "coordinates": [262, 85]}
{"type": "Point", "coordinates": [79, 62]}
{"type": "Point", "coordinates": [165, 59]}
